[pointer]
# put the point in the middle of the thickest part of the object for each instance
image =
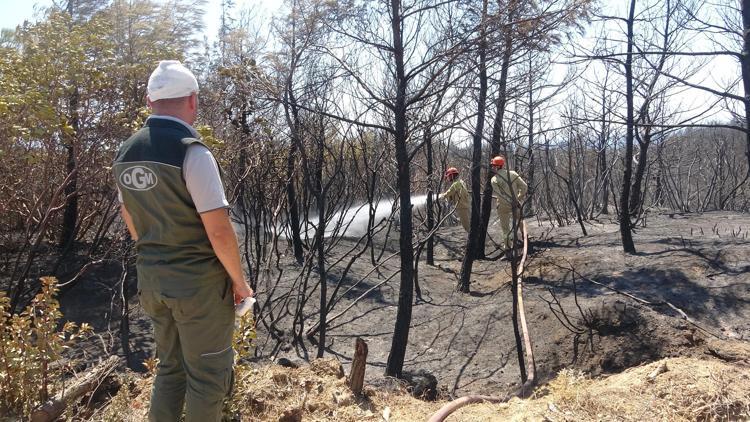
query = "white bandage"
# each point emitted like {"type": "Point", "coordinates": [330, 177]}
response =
{"type": "Point", "coordinates": [171, 80]}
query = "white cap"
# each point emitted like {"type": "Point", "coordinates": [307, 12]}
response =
{"type": "Point", "coordinates": [171, 80]}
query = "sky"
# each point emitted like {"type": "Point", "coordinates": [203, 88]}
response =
{"type": "Point", "coordinates": [14, 12]}
{"type": "Point", "coordinates": [212, 17]}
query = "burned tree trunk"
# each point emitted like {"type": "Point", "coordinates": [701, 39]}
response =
{"type": "Point", "coordinates": [601, 157]}
{"type": "Point", "coordinates": [636, 192]}
{"type": "Point", "coordinates": [91, 380]}
{"type": "Point", "coordinates": [497, 129]}
{"type": "Point", "coordinates": [625, 224]}
{"type": "Point", "coordinates": [529, 207]}
{"type": "Point", "coordinates": [291, 165]}
{"type": "Point", "coordinates": [430, 247]}
{"type": "Point", "coordinates": [475, 229]}
{"type": "Point", "coordinates": [516, 330]}
{"type": "Point", "coordinates": [291, 195]}
{"type": "Point", "coordinates": [744, 57]}
{"type": "Point", "coordinates": [70, 215]}
{"type": "Point", "coordinates": [406, 289]}
{"type": "Point", "coordinates": [745, 65]}
{"type": "Point", "coordinates": [320, 196]}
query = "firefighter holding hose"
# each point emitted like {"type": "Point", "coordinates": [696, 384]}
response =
{"type": "Point", "coordinates": [509, 189]}
{"type": "Point", "coordinates": [458, 195]}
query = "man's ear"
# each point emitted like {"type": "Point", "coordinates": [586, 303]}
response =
{"type": "Point", "coordinates": [194, 101]}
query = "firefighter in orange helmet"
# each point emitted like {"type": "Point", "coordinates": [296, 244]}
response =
{"type": "Point", "coordinates": [510, 192]}
{"type": "Point", "coordinates": [458, 195]}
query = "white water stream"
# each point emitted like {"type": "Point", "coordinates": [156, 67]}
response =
{"type": "Point", "coordinates": [352, 222]}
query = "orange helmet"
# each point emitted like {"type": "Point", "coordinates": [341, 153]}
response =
{"type": "Point", "coordinates": [498, 161]}
{"type": "Point", "coordinates": [451, 172]}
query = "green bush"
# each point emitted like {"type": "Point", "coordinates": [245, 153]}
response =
{"type": "Point", "coordinates": [29, 343]}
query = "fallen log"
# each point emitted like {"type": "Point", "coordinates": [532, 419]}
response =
{"type": "Point", "coordinates": [89, 381]}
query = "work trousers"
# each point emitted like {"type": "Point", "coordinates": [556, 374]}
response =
{"type": "Point", "coordinates": [193, 332]}
{"type": "Point", "coordinates": [464, 216]}
{"type": "Point", "coordinates": [505, 214]}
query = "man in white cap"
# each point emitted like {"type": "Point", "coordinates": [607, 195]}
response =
{"type": "Point", "coordinates": [189, 272]}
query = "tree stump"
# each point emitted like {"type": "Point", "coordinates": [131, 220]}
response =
{"type": "Point", "coordinates": [357, 375]}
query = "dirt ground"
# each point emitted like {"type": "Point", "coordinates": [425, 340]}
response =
{"type": "Point", "coordinates": [698, 263]}
{"type": "Point", "coordinates": [693, 262]}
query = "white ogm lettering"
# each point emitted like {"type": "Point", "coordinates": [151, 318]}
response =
{"type": "Point", "coordinates": [138, 178]}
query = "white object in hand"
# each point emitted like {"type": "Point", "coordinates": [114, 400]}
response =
{"type": "Point", "coordinates": [245, 305]}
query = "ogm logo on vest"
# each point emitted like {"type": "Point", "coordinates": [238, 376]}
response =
{"type": "Point", "coordinates": [138, 178]}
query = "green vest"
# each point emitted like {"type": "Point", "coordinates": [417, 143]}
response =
{"type": "Point", "coordinates": [174, 251]}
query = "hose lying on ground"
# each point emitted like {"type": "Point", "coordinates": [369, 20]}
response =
{"type": "Point", "coordinates": [526, 388]}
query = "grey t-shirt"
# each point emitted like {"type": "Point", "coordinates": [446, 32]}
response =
{"type": "Point", "coordinates": [201, 174]}
{"type": "Point", "coordinates": [203, 180]}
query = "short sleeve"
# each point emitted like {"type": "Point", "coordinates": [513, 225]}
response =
{"type": "Point", "coordinates": [203, 180]}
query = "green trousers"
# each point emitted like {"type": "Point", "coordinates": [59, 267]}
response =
{"type": "Point", "coordinates": [193, 332]}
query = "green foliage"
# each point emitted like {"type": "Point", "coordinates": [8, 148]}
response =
{"type": "Point", "coordinates": [244, 346]}
{"type": "Point", "coordinates": [244, 336]}
{"type": "Point", "coordinates": [29, 343]}
{"type": "Point", "coordinates": [208, 138]}
{"type": "Point", "coordinates": [72, 89]}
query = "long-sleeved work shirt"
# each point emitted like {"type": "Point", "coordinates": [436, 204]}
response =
{"type": "Point", "coordinates": [458, 194]}
{"type": "Point", "coordinates": [501, 189]}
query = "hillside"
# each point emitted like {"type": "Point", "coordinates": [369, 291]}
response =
{"type": "Point", "coordinates": [674, 389]}
{"type": "Point", "coordinates": [610, 314]}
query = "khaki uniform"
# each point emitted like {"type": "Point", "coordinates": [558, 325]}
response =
{"type": "Point", "coordinates": [193, 332]}
{"type": "Point", "coordinates": [182, 285]}
{"type": "Point", "coordinates": [458, 195]}
{"type": "Point", "coordinates": [506, 194]}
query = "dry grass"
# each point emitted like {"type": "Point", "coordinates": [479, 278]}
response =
{"type": "Point", "coordinates": [318, 392]}
{"type": "Point", "coordinates": [690, 389]}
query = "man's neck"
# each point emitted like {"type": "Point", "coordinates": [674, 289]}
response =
{"type": "Point", "coordinates": [179, 116]}
{"type": "Point", "coordinates": [176, 119]}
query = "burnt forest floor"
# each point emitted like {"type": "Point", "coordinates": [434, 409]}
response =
{"type": "Point", "coordinates": [698, 263]}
